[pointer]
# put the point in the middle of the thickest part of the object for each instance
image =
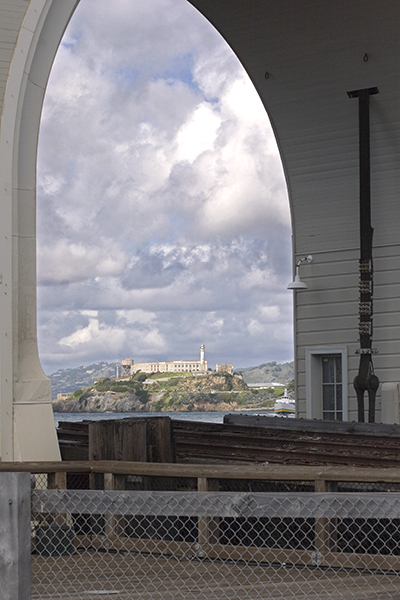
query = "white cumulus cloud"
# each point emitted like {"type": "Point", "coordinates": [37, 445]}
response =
{"type": "Point", "coordinates": [163, 221]}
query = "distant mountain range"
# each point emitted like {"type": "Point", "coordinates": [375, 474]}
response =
{"type": "Point", "coordinates": [69, 380]}
{"type": "Point", "coordinates": [269, 373]}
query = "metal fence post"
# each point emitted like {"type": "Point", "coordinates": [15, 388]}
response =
{"type": "Point", "coordinates": [15, 536]}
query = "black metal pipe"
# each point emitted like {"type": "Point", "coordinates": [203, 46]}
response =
{"type": "Point", "coordinates": [366, 380]}
{"type": "Point", "coordinates": [365, 175]}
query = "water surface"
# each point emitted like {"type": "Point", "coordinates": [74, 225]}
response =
{"type": "Point", "coordinates": [204, 417]}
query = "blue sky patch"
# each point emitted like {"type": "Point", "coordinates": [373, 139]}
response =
{"type": "Point", "coordinates": [73, 41]}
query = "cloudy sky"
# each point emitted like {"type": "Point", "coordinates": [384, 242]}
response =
{"type": "Point", "coordinates": [163, 220]}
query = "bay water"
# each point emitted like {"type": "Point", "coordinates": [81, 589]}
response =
{"type": "Point", "coordinates": [204, 417]}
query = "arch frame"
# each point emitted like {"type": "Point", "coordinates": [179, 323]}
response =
{"type": "Point", "coordinates": [334, 47]}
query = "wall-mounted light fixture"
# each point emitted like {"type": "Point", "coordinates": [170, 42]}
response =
{"type": "Point", "coordinates": [297, 284]}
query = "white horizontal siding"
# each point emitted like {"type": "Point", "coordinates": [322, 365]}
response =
{"type": "Point", "coordinates": [328, 310]}
{"type": "Point", "coordinates": [327, 324]}
{"type": "Point", "coordinates": [12, 14]}
{"type": "Point", "coordinates": [328, 316]}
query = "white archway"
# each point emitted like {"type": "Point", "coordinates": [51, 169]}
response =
{"type": "Point", "coordinates": [27, 428]}
{"type": "Point", "coordinates": [332, 48]}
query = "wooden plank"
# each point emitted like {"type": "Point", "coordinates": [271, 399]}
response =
{"type": "Point", "coordinates": [136, 439]}
{"type": "Point", "coordinates": [73, 439]}
{"type": "Point", "coordinates": [161, 448]}
{"type": "Point", "coordinates": [344, 560]}
{"type": "Point", "coordinates": [315, 443]}
{"type": "Point", "coordinates": [98, 449]}
{"type": "Point", "coordinates": [117, 440]}
{"type": "Point", "coordinates": [101, 440]}
{"type": "Point", "coordinates": [275, 556]}
{"type": "Point", "coordinates": [214, 551]}
{"type": "Point", "coordinates": [130, 440]}
{"type": "Point", "coordinates": [216, 471]}
{"type": "Point", "coordinates": [313, 426]}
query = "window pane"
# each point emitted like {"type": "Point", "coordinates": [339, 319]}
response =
{"type": "Point", "coordinates": [338, 362]}
{"type": "Point", "coordinates": [329, 416]}
{"type": "Point", "coordinates": [328, 369]}
{"type": "Point", "coordinates": [339, 397]}
{"type": "Point", "coordinates": [328, 400]}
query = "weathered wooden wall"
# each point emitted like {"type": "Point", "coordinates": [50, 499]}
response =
{"type": "Point", "coordinates": [240, 439]}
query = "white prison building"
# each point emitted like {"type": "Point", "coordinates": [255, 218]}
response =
{"type": "Point", "coordinates": [174, 366]}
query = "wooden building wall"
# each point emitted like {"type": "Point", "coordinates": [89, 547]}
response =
{"type": "Point", "coordinates": [303, 58]}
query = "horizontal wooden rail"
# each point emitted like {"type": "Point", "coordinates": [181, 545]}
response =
{"type": "Point", "coordinates": [283, 556]}
{"type": "Point", "coordinates": [261, 472]}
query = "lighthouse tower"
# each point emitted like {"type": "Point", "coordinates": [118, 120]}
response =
{"type": "Point", "coordinates": [202, 356]}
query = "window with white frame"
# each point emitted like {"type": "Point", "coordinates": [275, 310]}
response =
{"type": "Point", "coordinates": [332, 388]}
{"type": "Point", "coordinates": [326, 383]}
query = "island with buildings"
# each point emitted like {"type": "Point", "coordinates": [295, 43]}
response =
{"type": "Point", "coordinates": [170, 386]}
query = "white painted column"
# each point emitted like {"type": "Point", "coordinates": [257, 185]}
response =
{"type": "Point", "coordinates": [27, 430]}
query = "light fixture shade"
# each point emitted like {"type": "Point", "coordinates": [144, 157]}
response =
{"type": "Point", "coordinates": [297, 284]}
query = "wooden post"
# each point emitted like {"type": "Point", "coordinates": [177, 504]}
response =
{"type": "Point", "coordinates": [208, 527]}
{"type": "Point", "coordinates": [113, 524]}
{"type": "Point", "coordinates": [140, 439]}
{"type": "Point", "coordinates": [325, 529]}
{"type": "Point", "coordinates": [321, 529]}
{"type": "Point", "coordinates": [15, 536]}
{"type": "Point", "coordinates": [160, 449]}
{"type": "Point", "coordinates": [57, 481]}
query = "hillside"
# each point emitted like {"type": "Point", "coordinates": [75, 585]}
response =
{"type": "Point", "coordinates": [169, 393]}
{"type": "Point", "coordinates": [269, 372]}
{"type": "Point", "coordinates": [69, 380]}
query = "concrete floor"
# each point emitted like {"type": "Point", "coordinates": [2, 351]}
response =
{"type": "Point", "coordinates": [130, 576]}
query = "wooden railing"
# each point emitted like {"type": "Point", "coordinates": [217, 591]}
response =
{"type": "Point", "coordinates": [241, 472]}
{"type": "Point", "coordinates": [324, 479]}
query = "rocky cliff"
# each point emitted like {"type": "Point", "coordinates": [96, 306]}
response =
{"type": "Point", "coordinates": [183, 392]}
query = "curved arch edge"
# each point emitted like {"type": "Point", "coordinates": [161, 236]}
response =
{"type": "Point", "coordinates": [27, 430]}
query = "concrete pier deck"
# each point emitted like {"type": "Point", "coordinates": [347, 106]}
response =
{"type": "Point", "coordinates": [132, 576]}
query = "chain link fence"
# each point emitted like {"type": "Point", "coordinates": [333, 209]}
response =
{"type": "Point", "coordinates": [184, 545]}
